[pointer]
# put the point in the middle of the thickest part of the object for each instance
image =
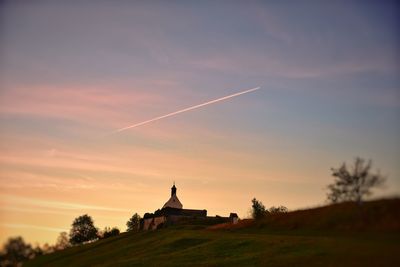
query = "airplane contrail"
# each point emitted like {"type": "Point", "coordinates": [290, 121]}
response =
{"type": "Point", "coordinates": [184, 110]}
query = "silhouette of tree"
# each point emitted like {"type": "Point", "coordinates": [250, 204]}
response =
{"type": "Point", "coordinates": [16, 251]}
{"type": "Point", "coordinates": [37, 251]}
{"type": "Point", "coordinates": [133, 223]}
{"type": "Point", "coordinates": [115, 231]}
{"type": "Point", "coordinates": [101, 234]}
{"type": "Point", "coordinates": [82, 230]}
{"type": "Point", "coordinates": [280, 209]}
{"type": "Point", "coordinates": [258, 209]}
{"type": "Point", "coordinates": [353, 184]}
{"type": "Point", "coordinates": [62, 241]}
{"type": "Point", "coordinates": [108, 232]}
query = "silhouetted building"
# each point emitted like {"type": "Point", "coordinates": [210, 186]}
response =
{"type": "Point", "coordinates": [173, 202]}
{"type": "Point", "coordinates": [173, 213]}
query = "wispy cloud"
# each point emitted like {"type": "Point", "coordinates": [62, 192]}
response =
{"type": "Point", "coordinates": [35, 227]}
{"type": "Point", "coordinates": [9, 199]}
{"type": "Point", "coordinates": [82, 104]}
{"type": "Point", "coordinates": [271, 65]}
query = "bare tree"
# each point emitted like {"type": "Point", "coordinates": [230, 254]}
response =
{"type": "Point", "coordinates": [355, 183]}
{"type": "Point", "coordinates": [62, 241]}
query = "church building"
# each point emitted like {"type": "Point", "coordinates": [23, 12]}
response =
{"type": "Point", "coordinates": [173, 213]}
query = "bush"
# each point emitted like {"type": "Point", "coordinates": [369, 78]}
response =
{"type": "Point", "coordinates": [258, 209]}
{"type": "Point", "coordinates": [277, 210]}
{"type": "Point", "coordinates": [110, 232]}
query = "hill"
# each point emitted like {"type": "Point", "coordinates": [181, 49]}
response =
{"type": "Point", "coordinates": [376, 216]}
{"type": "Point", "coordinates": [336, 235]}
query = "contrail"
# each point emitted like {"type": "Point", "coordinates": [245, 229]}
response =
{"type": "Point", "coordinates": [184, 110]}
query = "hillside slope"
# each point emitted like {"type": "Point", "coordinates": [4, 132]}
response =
{"type": "Point", "coordinates": [373, 216]}
{"type": "Point", "coordinates": [270, 243]}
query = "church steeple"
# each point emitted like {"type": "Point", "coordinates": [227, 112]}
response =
{"type": "Point", "coordinates": [173, 202]}
{"type": "Point", "coordinates": [173, 190]}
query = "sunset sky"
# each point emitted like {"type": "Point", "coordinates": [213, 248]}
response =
{"type": "Point", "coordinates": [71, 73]}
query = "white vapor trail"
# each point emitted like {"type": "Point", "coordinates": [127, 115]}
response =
{"type": "Point", "coordinates": [184, 110]}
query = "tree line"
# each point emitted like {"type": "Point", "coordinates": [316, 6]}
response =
{"type": "Point", "coordinates": [15, 251]}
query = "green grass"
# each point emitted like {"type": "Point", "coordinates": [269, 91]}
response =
{"type": "Point", "coordinates": [269, 243]}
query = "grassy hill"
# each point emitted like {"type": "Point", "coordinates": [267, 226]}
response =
{"type": "Point", "coordinates": [337, 235]}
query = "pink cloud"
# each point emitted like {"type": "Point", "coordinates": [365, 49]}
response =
{"type": "Point", "coordinates": [87, 104]}
{"type": "Point", "coordinates": [249, 63]}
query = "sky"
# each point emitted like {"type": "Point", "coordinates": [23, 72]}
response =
{"type": "Point", "coordinates": [71, 72]}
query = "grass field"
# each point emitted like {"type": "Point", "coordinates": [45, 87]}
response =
{"type": "Point", "coordinates": [353, 241]}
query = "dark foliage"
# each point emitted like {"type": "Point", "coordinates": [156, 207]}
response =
{"type": "Point", "coordinates": [82, 230]}
{"type": "Point", "coordinates": [16, 251]}
{"type": "Point", "coordinates": [133, 223]}
{"type": "Point", "coordinates": [258, 209]}
{"type": "Point", "coordinates": [353, 184]}
{"type": "Point", "coordinates": [110, 232]}
{"type": "Point", "coordinates": [276, 210]}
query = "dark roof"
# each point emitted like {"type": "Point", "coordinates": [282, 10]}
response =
{"type": "Point", "coordinates": [183, 212]}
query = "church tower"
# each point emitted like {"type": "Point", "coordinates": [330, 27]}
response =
{"type": "Point", "coordinates": [173, 202]}
{"type": "Point", "coordinates": [173, 190]}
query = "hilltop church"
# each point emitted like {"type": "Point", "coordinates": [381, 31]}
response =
{"type": "Point", "coordinates": [173, 213]}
